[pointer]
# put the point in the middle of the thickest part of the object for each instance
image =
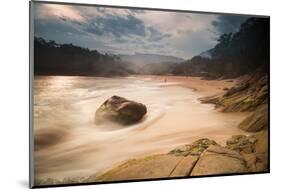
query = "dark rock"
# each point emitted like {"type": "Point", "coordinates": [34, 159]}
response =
{"type": "Point", "coordinates": [120, 110]}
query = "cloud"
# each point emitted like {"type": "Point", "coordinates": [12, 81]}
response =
{"type": "Point", "coordinates": [155, 35]}
{"type": "Point", "coordinates": [47, 11]}
{"type": "Point", "coordinates": [127, 31]}
{"type": "Point", "coordinates": [117, 26]}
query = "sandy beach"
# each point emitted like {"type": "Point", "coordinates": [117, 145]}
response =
{"type": "Point", "coordinates": [65, 107]}
{"type": "Point", "coordinates": [204, 87]}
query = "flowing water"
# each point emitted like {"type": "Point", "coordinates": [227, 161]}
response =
{"type": "Point", "coordinates": [69, 144]}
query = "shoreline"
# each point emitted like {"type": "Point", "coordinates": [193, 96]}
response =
{"type": "Point", "coordinates": [204, 87]}
{"type": "Point", "coordinates": [203, 156]}
{"type": "Point", "coordinates": [182, 134]}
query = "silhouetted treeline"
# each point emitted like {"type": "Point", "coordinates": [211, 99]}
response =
{"type": "Point", "coordinates": [235, 54]}
{"type": "Point", "coordinates": [51, 58]}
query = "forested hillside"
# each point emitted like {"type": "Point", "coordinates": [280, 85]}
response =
{"type": "Point", "coordinates": [51, 58]}
{"type": "Point", "coordinates": [235, 53]}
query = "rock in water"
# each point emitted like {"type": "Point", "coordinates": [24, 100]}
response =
{"type": "Point", "coordinates": [120, 110]}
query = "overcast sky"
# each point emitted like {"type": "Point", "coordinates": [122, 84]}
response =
{"type": "Point", "coordinates": [127, 31]}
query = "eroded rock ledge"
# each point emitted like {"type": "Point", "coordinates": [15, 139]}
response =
{"type": "Point", "coordinates": [248, 95]}
{"type": "Point", "coordinates": [203, 157]}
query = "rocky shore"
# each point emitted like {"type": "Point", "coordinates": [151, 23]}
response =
{"type": "Point", "coordinates": [240, 154]}
{"type": "Point", "coordinates": [237, 153]}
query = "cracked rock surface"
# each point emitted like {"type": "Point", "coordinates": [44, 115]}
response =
{"type": "Point", "coordinates": [202, 157]}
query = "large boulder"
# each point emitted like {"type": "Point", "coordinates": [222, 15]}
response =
{"type": "Point", "coordinates": [120, 110]}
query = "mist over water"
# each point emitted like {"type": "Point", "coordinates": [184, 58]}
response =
{"type": "Point", "coordinates": [69, 144]}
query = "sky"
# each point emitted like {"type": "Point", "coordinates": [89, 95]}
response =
{"type": "Point", "coordinates": [130, 31]}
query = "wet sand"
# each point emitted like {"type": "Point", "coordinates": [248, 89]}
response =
{"type": "Point", "coordinates": [64, 113]}
{"type": "Point", "coordinates": [204, 87]}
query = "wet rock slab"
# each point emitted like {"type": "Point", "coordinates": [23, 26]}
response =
{"type": "Point", "coordinates": [219, 160]}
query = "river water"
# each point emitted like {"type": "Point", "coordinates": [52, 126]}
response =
{"type": "Point", "coordinates": [70, 145]}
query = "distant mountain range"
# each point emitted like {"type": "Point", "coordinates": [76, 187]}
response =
{"type": "Point", "coordinates": [150, 58]}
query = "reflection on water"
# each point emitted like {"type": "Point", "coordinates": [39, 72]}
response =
{"type": "Point", "coordinates": [69, 144]}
